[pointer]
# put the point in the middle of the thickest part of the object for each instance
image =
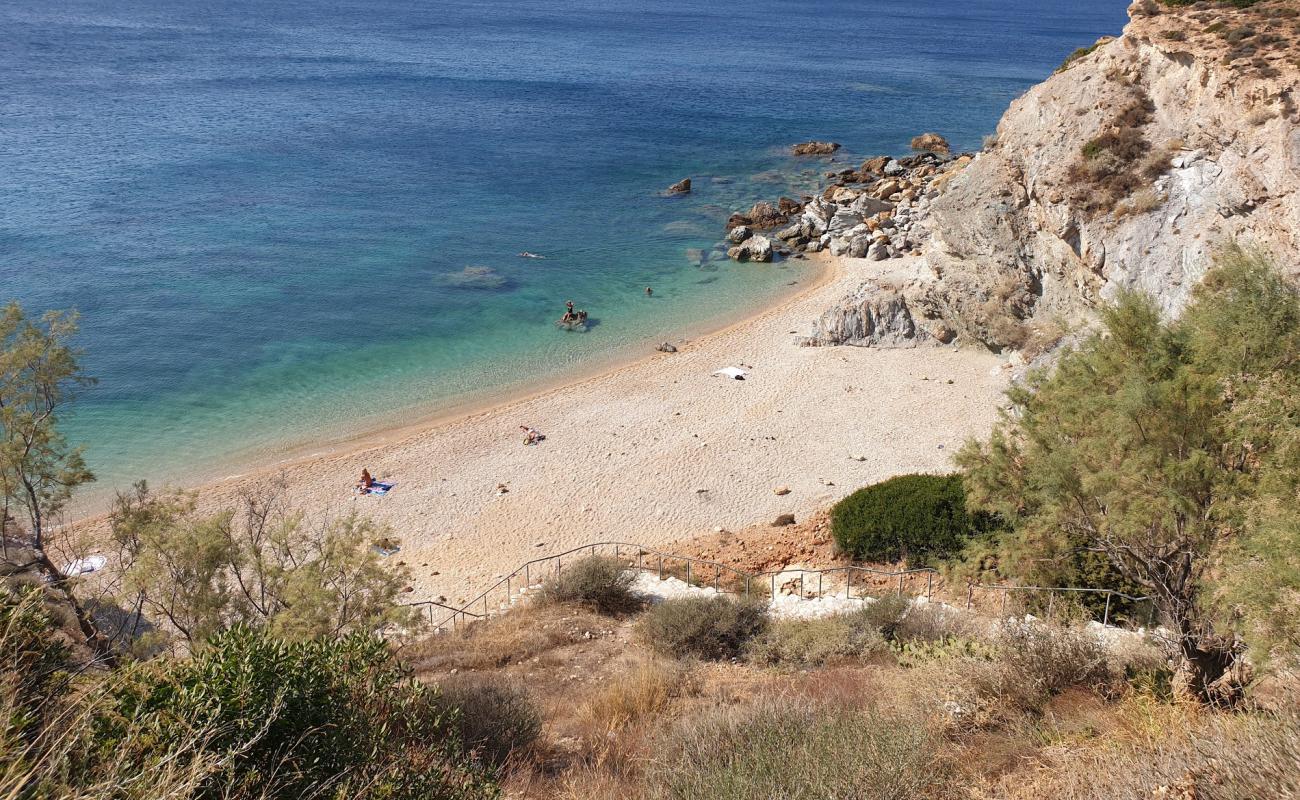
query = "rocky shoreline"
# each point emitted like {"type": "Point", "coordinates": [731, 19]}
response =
{"type": "Point", "coordinates": [875, 211]}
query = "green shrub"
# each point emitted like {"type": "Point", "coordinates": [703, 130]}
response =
{"type": "Point", "coordinates": [713, 628]}
{"type": "Point", "coordinates": [601, 583]}
{"type": "Point", "coordinates": [914, 517]}
{"type": "Point", "coordinates": [815, 642]}
{"type": "Point", "coordinates": [494, 719]}
{"type": "Point", "coordinates": [794, 750]}
{"type": "Point", "coordinates": [34, 661]}
{"type": "Point", "coordinates": [328, 717]}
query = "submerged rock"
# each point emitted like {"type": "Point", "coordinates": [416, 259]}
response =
{"type": "Point", "coordinates": [474, 278]}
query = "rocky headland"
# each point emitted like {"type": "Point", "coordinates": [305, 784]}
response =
{"type": "Point", "coordinates": [1129, 167]}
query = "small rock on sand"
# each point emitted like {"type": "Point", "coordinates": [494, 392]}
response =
{"type": "Point", "coordinates": [783, 520]}
{"type": "Point", "coordinates": [781, 490]}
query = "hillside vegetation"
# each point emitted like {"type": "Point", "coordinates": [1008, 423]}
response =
{"type": "Point", "coordinates": [236, 655]}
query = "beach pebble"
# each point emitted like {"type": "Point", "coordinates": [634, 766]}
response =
{"type": "Point", "coordinates": [781, 490]}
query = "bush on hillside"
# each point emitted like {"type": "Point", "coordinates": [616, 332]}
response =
{"type": "Point", "coordinates": [249, 715]}
{"type": "Point", "coordinates": [816, 642]}
{"type": "Point", "coordinates": [714, 628]}
{"type": "Point", "coordinates": [494, 719]}
{"type": "Point", "coordinates": [920, 518]}
{"type": "Point", "coordinates": [327, 717]}
{"type": "Point", "coordinates": [601, 583]}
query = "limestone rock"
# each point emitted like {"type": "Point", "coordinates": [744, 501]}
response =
{"type": "Point", "coordinates": [681, 187]}
{"type": "Point", "coordinates": [739, 234]}
{"type": "Point", "coordinates": [754, 248]}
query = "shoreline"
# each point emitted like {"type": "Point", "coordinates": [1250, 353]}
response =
{"type": "Point", "coordinates": [651, 451]}
{"type": "Point", "coordinates": [251, 463]}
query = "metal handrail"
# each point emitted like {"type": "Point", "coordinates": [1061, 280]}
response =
{"type": "Point", "coordinates": [528, 570]}
{"type": "Point", "coordinates": [1111, 594]}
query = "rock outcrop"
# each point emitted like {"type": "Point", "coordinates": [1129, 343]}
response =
{"type": "Point", "coordinates": [1128, 169]}
{"type": "Point", "coordinates": [931, 142]}
{"type": "Point", "coordinates": [681, 187]}
{"type": "Point", "coordinates": [753, 248]}
{"type": "Point", "coordinates": [814, 148]}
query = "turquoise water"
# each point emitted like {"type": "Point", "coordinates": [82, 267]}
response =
{"type": "Point", "coordinates": [264, 210]}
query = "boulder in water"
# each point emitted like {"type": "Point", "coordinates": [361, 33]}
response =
{"type": "Point", "coordinates": [931, 143]}
{"type": "Point", "coordinates": [815, 148]}
{"type": "Point", "coordinates": [681, 187]}
{"type": "Point", "coordinates": [755, 248]}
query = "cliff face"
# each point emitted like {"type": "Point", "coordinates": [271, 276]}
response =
{"type": "Point", "coordinates": [1128, 168]}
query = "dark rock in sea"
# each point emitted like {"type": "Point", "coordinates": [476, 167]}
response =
{"type": "Point", "coordinates": [681, 187]}
{"type": "Point", "coordinates": [787, 206]}
{"type": "Point", "coordinates": [814, 148]}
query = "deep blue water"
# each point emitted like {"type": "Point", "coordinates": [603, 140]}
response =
{"type": "Point", "coordinates": [263, 209]}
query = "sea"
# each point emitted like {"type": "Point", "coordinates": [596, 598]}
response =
{"type": "Point", "coordinates": [288, 223]}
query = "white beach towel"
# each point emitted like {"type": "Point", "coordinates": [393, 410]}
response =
{"type": "Point", "coordinates": [84, 566]}
{"type": "Point", "coordinates": [735, 373]}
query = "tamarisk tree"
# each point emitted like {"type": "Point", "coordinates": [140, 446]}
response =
{"type": "Point", "coordinates": [1165, 448]}
{"type": "Point", "coordinates": [39, 376]}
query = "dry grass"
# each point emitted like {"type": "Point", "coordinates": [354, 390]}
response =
{"type": "Point", "coordinates": [529, 631]}
{"type": "Point", "coordinates": [644, 690]}
{"type": "Point", "coordinates": [789, 748]}
{"type": "Point", "coordinates": [1175, 752]}
{"type": "Point", "coordinates": [495, 717]}
{"type": "Point", "coordinates": [1143, 201]}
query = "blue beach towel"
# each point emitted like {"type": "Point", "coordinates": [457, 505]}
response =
{"type": "Point", "coordinates": [379, 487]}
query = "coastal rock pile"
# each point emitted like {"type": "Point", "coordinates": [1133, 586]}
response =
{"type": "Point", "coordinates": [874, 211]}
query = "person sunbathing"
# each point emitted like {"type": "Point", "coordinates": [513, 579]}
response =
{"type": "Point", "coordinates": [531, 435]}
{"type": "Point", "coordinates": [366, 482]}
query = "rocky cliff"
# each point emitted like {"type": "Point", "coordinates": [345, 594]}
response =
{"type": "Point", "coordinates": [1129, 167]}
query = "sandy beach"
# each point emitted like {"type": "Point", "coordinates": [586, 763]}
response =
{"type": "Point", "coordinates": [660, 449]}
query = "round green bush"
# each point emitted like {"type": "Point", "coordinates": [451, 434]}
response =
{"type": "Point", "coordinates": [914, 517]}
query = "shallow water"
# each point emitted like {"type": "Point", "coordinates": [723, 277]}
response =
{"type": "Point", "coordinates": [265, 209]}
